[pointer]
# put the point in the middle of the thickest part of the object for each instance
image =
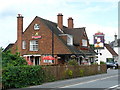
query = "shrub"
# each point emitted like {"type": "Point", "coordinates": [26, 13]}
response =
{"type": "Point", "coordinates": [68, 73]}
{"type": "Point", "coordinates": [18, 77]}
{"type": "Point", "coordinates": [81, 72]}
{"type": "Point", "coordinates": [9, 59]}
{"type": "Point", "coordinates": [72, 62]}
{"type": "Point", "coordinates": [102, 62]}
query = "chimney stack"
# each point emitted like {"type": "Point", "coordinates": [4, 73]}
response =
{"type": "Point", "coordinates": [60, 20]}
{"type": "Point", "coordinates": [70, 23]}
{"type": "Point", "coordinates": [115, 37]}
{"type": "Point", "coordinates": [116, 43]}
{"type": "Point", "coordinates": [19, 32]}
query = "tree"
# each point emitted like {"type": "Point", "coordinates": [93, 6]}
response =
{"type": "Point", "coordinates": [73, 62]}
{"type": "Point", "coordinates": [9, 59]}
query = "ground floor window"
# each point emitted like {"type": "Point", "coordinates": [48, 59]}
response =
{"type": "Point", "coordinates": [48, 61]}
{"type": "Point", "coordinates": [109, 59]}
{"type": "Point", "coordinates": [33, 59]}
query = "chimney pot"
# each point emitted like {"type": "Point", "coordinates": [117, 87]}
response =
{"type": "Point", "coordinates": [20, 15]}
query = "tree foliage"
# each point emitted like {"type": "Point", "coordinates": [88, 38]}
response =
{"type": "Point", "coordinates": [72, 62]}
{"type": "Point", "coordinates": [22, 76]}
{"type": "Point", "coordinates": [9, 59]}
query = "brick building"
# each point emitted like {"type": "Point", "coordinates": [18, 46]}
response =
{"type": "Point", "coordinates": [46, 38]}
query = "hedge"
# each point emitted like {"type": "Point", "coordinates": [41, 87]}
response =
{"type": "Point", "coordinates": [22, 76]}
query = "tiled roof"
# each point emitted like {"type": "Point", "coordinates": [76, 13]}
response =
{"type": "Point", "coordinates": [77, 34]}
{"type": "Point", "coordinates": [118, 43]}
{"type": "Point", "coordinates": [110, 49]}
{"type": "Point", "coordinates": [8, 47]}
{"type": "Point", "coordinates": [53, 27]}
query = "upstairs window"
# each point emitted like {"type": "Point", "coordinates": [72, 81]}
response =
{"type": "Point", "coordinates": [23, 44]}
{"type": "Point", "coordinates": [69, 40]}
{"type": "Point", "coordinates": [33, 45]}
{"type": "Point", "coordinates": [36, 27]}
{"type": "Point", "coordinates": [84, 42]}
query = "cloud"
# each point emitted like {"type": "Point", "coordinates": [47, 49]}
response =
{"type": "Point", "coordinates": [82, 11]}
{"type": "Point", "coordinates": [109, 31]}
{"type": "Point", "coordinates": [8, 13]}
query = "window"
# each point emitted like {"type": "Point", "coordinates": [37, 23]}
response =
{"type": "Point", "coordinates": [34, 45]}
{"type": "Point", "coordinates": [84, 42]}
{"type": "Point", "coordinates": [36, 27]}
{"type": "Point", "coordinates": [69, 40]}
{"type": "Point", "coordinates": [48, 61]}
{"type": "Point", "coordinates": [23, 44]}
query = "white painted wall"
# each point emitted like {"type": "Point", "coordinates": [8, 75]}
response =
{"type": "Point", "coordinates": [105, 54]}
{"type": "Point", "coordinates": [117, 50]}
{"type": "Point", "coordinates": [119, 55]}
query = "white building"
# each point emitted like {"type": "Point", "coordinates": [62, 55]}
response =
{"type": "Point", "coordinates": [116, 46]}
{"type": "Point", "coordinates": [106, 53]}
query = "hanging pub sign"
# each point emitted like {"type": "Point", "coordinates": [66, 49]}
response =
{"type": "Point", "coordinates": [36, 36]}
{"type": "Point", "coordinates": [99, 40]}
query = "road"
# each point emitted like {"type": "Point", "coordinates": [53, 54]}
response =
{"type": "Point", "coordinates": [101, 81]}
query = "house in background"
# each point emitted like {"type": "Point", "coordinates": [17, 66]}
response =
{"type": "Point", "coordinates": [45, 38]}
{"type": "Point", "coordinates": [106, 54]}
{"type": "Point", "coordinates": [116, 46]}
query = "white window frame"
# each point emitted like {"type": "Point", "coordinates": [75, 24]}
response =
{"type": "Point", "coordinates": [48, 61]}
{"type": "Point", "coordinates": [23, 44]}
{"type": "Point", "coordinates": [69, 40]}
{"type": "Point", "coordinates": [84, 42]}
{"type": "Point", "coordinates": [34, 45]}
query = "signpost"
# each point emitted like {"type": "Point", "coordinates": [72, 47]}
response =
{"type": "Point", "coordinates": [99, 43]}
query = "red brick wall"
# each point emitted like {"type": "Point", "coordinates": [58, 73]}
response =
{"type": "Point", "coordinates": [45, 43]}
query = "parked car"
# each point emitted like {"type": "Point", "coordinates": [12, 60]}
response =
{"type": "Point", "coordinates": [112, 65]}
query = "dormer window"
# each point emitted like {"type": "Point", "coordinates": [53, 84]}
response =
{"type": "Point", "coordinates": [84, 42]}
{"type": "Point", "coordinates": [69, 40]}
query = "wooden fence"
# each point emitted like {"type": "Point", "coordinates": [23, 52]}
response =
{"type": "Point", "coordinates": [64, 72]}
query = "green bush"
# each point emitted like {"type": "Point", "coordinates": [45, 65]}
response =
{"type": "Point", "coordinates": [102, 62]}
{"type": "Point", "coordinates": [9, 59]}
{"type": "Point", "coordinates": [69, 73]}
{"type": "Point", "coordinates": [18, 77]}
{"type": "Point", "coordinates": [72, 62]}
{"type": "Point", "coordinates": [81, 72]}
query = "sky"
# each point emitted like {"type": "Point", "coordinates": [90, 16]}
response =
{"type": "Point", "coordinates": [95, 15]}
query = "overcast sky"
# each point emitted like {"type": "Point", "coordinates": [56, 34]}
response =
{"type": "Point", "coordinates": [95, 15]}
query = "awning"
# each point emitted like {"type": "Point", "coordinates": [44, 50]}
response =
{"type": "Point", "coordinates": [48, 58]}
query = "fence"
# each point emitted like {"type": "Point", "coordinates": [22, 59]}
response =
{"type": "Point", "coordinates": [64, 72]}
{"type": "Point", "coordinates": [23, 76]}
